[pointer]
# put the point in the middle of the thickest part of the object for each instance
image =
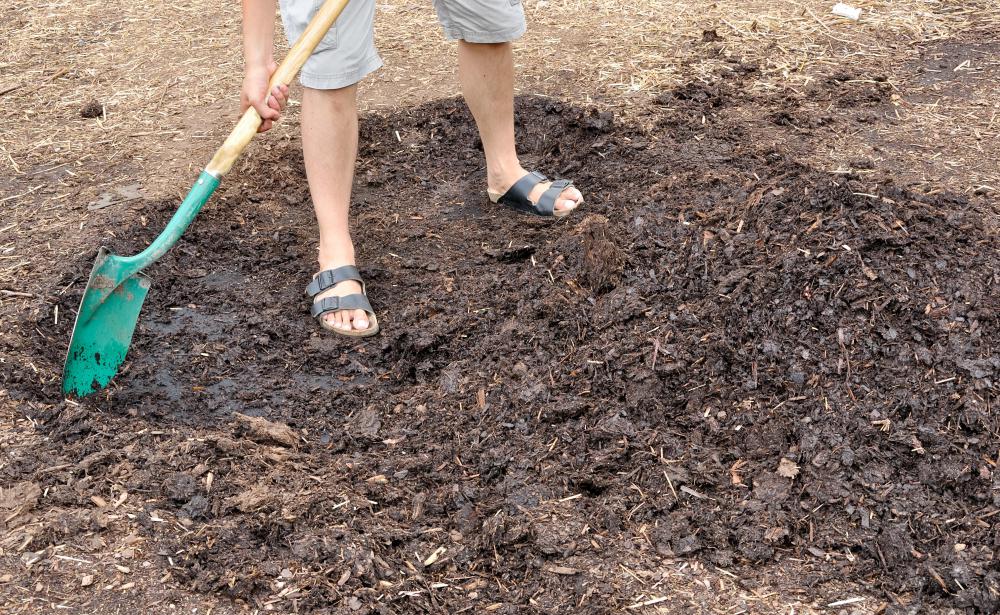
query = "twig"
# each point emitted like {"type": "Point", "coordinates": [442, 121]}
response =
{"type": "Point", "coordinates": [650, 602]}
{"type": "Point", "coordinates": [56, 75]}
{"type": "Point", "coordinates": [14, 293]}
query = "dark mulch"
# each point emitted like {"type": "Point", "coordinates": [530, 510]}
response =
{"type": "Point", "coordinates": [728, 356]}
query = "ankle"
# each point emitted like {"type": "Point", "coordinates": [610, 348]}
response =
{"type": "Point", "coordinates": [501, 176]}
{"type": "Point", "coordinates": [335, 256]}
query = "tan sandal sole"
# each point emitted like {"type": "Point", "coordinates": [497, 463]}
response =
{"type": "Point", "coordinates": [372, 329]}
{"type": "Point", "coordinates": [559, 213]}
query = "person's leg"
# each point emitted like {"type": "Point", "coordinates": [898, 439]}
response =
{"type": "Point", "coordinates": [330, 146]}
{"type": "Point", "coordinates": [329, 123]}
{"type": "Point", "coordinates": [486, 72]}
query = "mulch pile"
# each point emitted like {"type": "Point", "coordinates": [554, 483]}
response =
{"type": "Point", "coordinates": [728, 356]}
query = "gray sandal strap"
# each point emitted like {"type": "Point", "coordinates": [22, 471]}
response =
{"type": "Point", "coordinates": [517, 195]}
{"type": "Point", "coordinates": [547, 203]}
{"type": "Point", "coordinates": [332, 277]}
{"type": "Point", "coordinates": [335, 304]}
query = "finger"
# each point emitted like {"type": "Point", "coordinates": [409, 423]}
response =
{"type": "Point", "coordinates": [280, 97]}
{"type": "Point", "coordinates": [265, 126]}
{"type": "Point", "coordinates": [276, 102]}
{"type": "Point", "coordinates": [265, 111]}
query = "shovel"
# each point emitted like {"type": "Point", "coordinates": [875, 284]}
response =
{"type": "Point", "coordinates": [117, 287]}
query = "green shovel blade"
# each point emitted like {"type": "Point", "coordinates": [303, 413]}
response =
{"type": "Point", "coordinates": [100, 343]}
{"type": "Point", "coordinates": [111, 303]}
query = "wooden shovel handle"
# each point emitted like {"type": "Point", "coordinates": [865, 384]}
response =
{"type": "Point", "coordinates": [247, 127]}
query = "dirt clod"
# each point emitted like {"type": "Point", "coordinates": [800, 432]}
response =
{"type": "Point", "coordinates": [263, 430]}
{"type": "Point", "coordinates": [92, 109]}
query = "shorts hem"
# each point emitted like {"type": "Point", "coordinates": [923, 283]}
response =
{"type": "Point", "coordinates": [472, 36]}
{"type": "Point", "coordinates": [336, 81]}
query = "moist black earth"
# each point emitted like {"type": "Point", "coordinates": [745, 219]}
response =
{"type": "Point", "coordinates": [726, 355]}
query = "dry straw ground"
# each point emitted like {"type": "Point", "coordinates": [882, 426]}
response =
{"type": "Point", "coordinates": [165, 77]}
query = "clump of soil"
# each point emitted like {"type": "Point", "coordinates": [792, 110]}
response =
{"type": "Point", "coordinates": [726, 356]}
{"type": "Point", "coordinates": [92, 109]}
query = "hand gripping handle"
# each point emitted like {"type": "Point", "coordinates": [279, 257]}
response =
{"type": "Point", "coordinates": [247, 127]}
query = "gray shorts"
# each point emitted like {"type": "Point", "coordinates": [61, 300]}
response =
{"type": "Point", "coordinates": [347, 54]}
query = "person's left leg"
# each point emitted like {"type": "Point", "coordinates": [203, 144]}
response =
{"type": "Point", "coordinates": [486, 71]}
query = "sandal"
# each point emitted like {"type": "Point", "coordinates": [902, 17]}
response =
{"type": "Point", "coordinates": [517, 196]}
{"type": "Point", "coordinates": [330, 278]}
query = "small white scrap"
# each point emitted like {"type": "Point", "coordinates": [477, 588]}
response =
{"type": "Point", "coordinates": [846, 10]}
{"type": "Point", "coordinates": [845, 602]}
{"type": "Point", "coordinates": [433, 557]}
{"type": "Point", "coordinates": [649, 602]}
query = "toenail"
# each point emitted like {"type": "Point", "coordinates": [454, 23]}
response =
{"type": "Point", "coordinates": [360, 325]}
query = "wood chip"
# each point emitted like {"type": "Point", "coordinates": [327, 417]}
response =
{"type": "Point", "coordinates": [121, 499]}
{"type": "Point", "coordinates": [845, 602]}
{"type": "Point", "coordinates": [433, 557]}
{"type": "Point", "coordinates": [787, 468]}
{"type": "Point", "coordinates": [650, 602]}
{"type": "Point", "coordinates": [255, 498]}
{"type": "Point", "coordinates": [262, 430]}
{"type": "Point", "coordinates": [692, 492]}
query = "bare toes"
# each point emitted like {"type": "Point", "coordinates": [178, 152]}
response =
{"type": "Point", "coordinates": [360, 320]}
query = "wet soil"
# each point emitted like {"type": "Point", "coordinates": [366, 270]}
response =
{"type": "Point", "coordinates": [728, 356]}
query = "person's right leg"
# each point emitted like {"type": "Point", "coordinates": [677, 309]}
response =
{"type": "Point", "coordinates": [330, 146]}
{"type": "Point", "coordinates": [329, 121]}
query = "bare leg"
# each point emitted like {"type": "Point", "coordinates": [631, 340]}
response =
{"type": "Point", "coordinates": [330, 147]}
{"type": "Point", "coordinates": [487, 75]}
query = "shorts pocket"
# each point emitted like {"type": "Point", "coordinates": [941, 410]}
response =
{"type": "Point", "coordinates": [296, 15]}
